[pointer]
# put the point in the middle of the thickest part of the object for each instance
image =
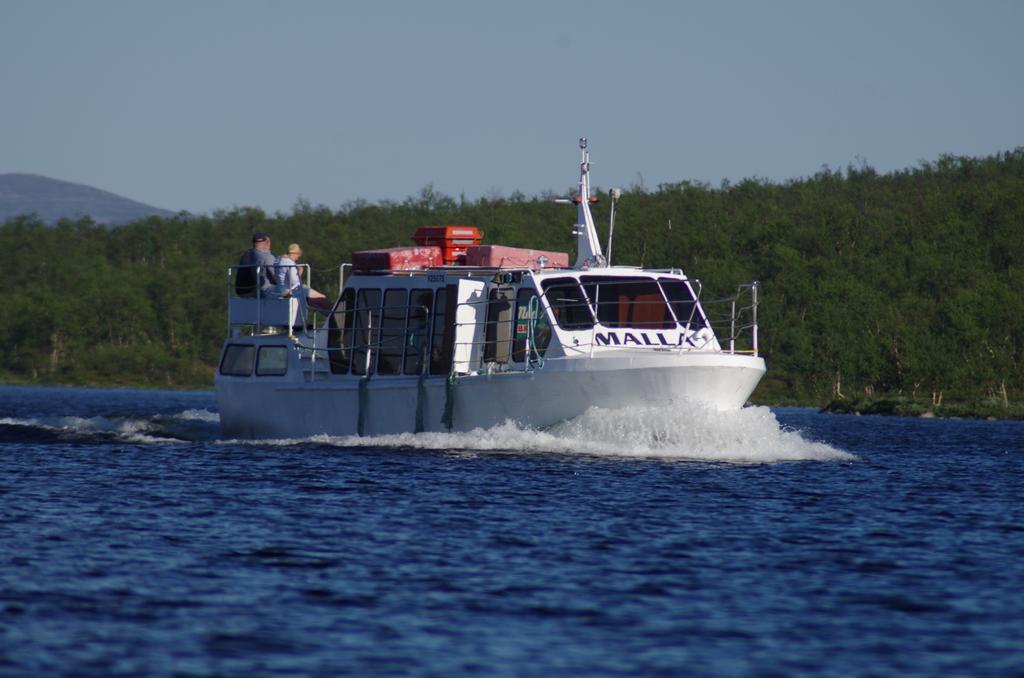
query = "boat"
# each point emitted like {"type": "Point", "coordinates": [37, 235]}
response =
{"type": "Point", "coordinates": [450, 334]}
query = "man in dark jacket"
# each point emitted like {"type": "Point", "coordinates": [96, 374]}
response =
{"type": "Point", "coordinates": [246, 281]}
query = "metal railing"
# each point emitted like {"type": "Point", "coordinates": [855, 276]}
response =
{"type": "Point", "coordinates": [259, 282]}
{"type": "Point", "coordinates": [732, 320]}
{"type": "Point", "coordinates": [750, 310]}
{"type": "Point", "coordinates": [363, 347]}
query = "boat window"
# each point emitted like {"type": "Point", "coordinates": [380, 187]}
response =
{"type": "Point", "coordinates": [528, 309]}
{"type": "Point", "coordinates": [417, 343]}
{"type": "Point", "coordinates": [498, 330]}
{"type": "Point", "coordinates": [339, 332]}
{"type": "Point", "coordinates": [392, 332]}
{"type": "Point", "coordinates": [628, 302]}
{"type": "Point", "coordinates": [444, 331]}
{"type": "Point", "coordinates": [272, 361]}
{"type": "Point", "coordinates": [237, 360]}
{"type": "Point", "coordinates": [568, 305]}
{"type": "Point", "coordinates": [680, 295]}
{"type": "Point", "coordinates": [365, 331]}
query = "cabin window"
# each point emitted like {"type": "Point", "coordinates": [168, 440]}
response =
{"type": "Point", "coordinates": [443, 331]}
{"type": "Point", "coordinates": [417, 342]}
{"type": "Point", "coordinates": [272, 361]}
{"type": "Point", "coordinates": [628, 302]}
{"type": "Point", "coordinates": [365, 331]}
{"type": "Point", "coordinates": [498, 330]}
{"type": "Point", "coordinates": [568, 304]}
{"type": "Point", "coordinates": [526, 310]}
{"type": "Point", "coordinates": [680, 296]}
{"type": "Point", "coordinates": [392, 332]}
{"type": "Point", "coordinates": [237, 360]}
{"type": "Point", "coordinates": [339, 332]}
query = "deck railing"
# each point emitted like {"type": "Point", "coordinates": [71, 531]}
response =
{"type": "Point", "coordinates": [732, 320]}
{"type": "Point", "coordinates": [251, 310]}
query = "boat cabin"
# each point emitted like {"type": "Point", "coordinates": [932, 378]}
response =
{"type": "Point", "coordinates": [465, 320]}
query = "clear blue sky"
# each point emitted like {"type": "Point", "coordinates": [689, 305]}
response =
{"type": "Point", "coordinates": [204, 105]}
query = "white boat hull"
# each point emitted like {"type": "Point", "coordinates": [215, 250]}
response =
{"type": "Point", "coordinates": [561, 390]}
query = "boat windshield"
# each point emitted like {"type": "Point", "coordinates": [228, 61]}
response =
{"type": "Point", "coordinates": [568, 305]}
{"type": "Point", "coordinates": [628, 302]}
{"type": "Point", "coordinates": [680, 295]}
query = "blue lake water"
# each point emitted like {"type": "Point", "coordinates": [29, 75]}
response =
{"type": "Point", "coordinates": [648, 542]}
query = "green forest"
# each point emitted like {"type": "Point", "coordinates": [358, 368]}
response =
{"type": "Point", "coordinates": [904, 285]}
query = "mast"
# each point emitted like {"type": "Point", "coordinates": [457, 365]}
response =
{"type": "Point", "coordinates": [588, 247]}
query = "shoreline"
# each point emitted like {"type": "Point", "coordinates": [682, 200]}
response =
{"type": "Point", "coordinates": [122, 384]}
{"type": "Point", "coordinates": [989, 409]}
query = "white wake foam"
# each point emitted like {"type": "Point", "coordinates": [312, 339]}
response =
{"type": "Point", "coordinates": [692, 432]}
{"type": "Point", "coordinates": [198, 415]}
{"type": "Point", "coordinates": [684, 432]}
{"type": "Point", "coordinates": [155, 429]}
{"type": "Point", "coordinates": [129, 430]}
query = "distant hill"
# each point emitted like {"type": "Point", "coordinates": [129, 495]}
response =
{"type": "Point", "coordinates": [54, 200]}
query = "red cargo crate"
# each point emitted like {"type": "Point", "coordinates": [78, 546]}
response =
{"type": "Point", "coordinates": [453, 240]}
{"type": "Point", "coordinates": [397, 259]}
{"type": "Point", "coordinates": [498, 256]}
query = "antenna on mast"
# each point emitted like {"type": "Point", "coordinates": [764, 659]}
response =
{"type": "Point", "coordinates": [588, 247]}
{"type": "Point", "coordinates": [614, 194]}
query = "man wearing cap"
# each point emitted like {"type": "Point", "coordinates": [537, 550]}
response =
{"type": "Point", "coordinates": [260, 255]}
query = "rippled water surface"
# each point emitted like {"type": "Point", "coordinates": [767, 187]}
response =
{"type": "Point", "coordinates": [651, 541]}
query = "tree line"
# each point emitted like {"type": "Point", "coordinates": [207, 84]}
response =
{"type": "Point", "coordinates": [901, 283]}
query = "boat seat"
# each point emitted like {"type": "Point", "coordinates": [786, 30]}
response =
{"type": "Point", "coordinates": [270, 310]}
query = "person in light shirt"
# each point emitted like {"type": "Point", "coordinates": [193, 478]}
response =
{"type": "Point", "coordinates": [289, 280]}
